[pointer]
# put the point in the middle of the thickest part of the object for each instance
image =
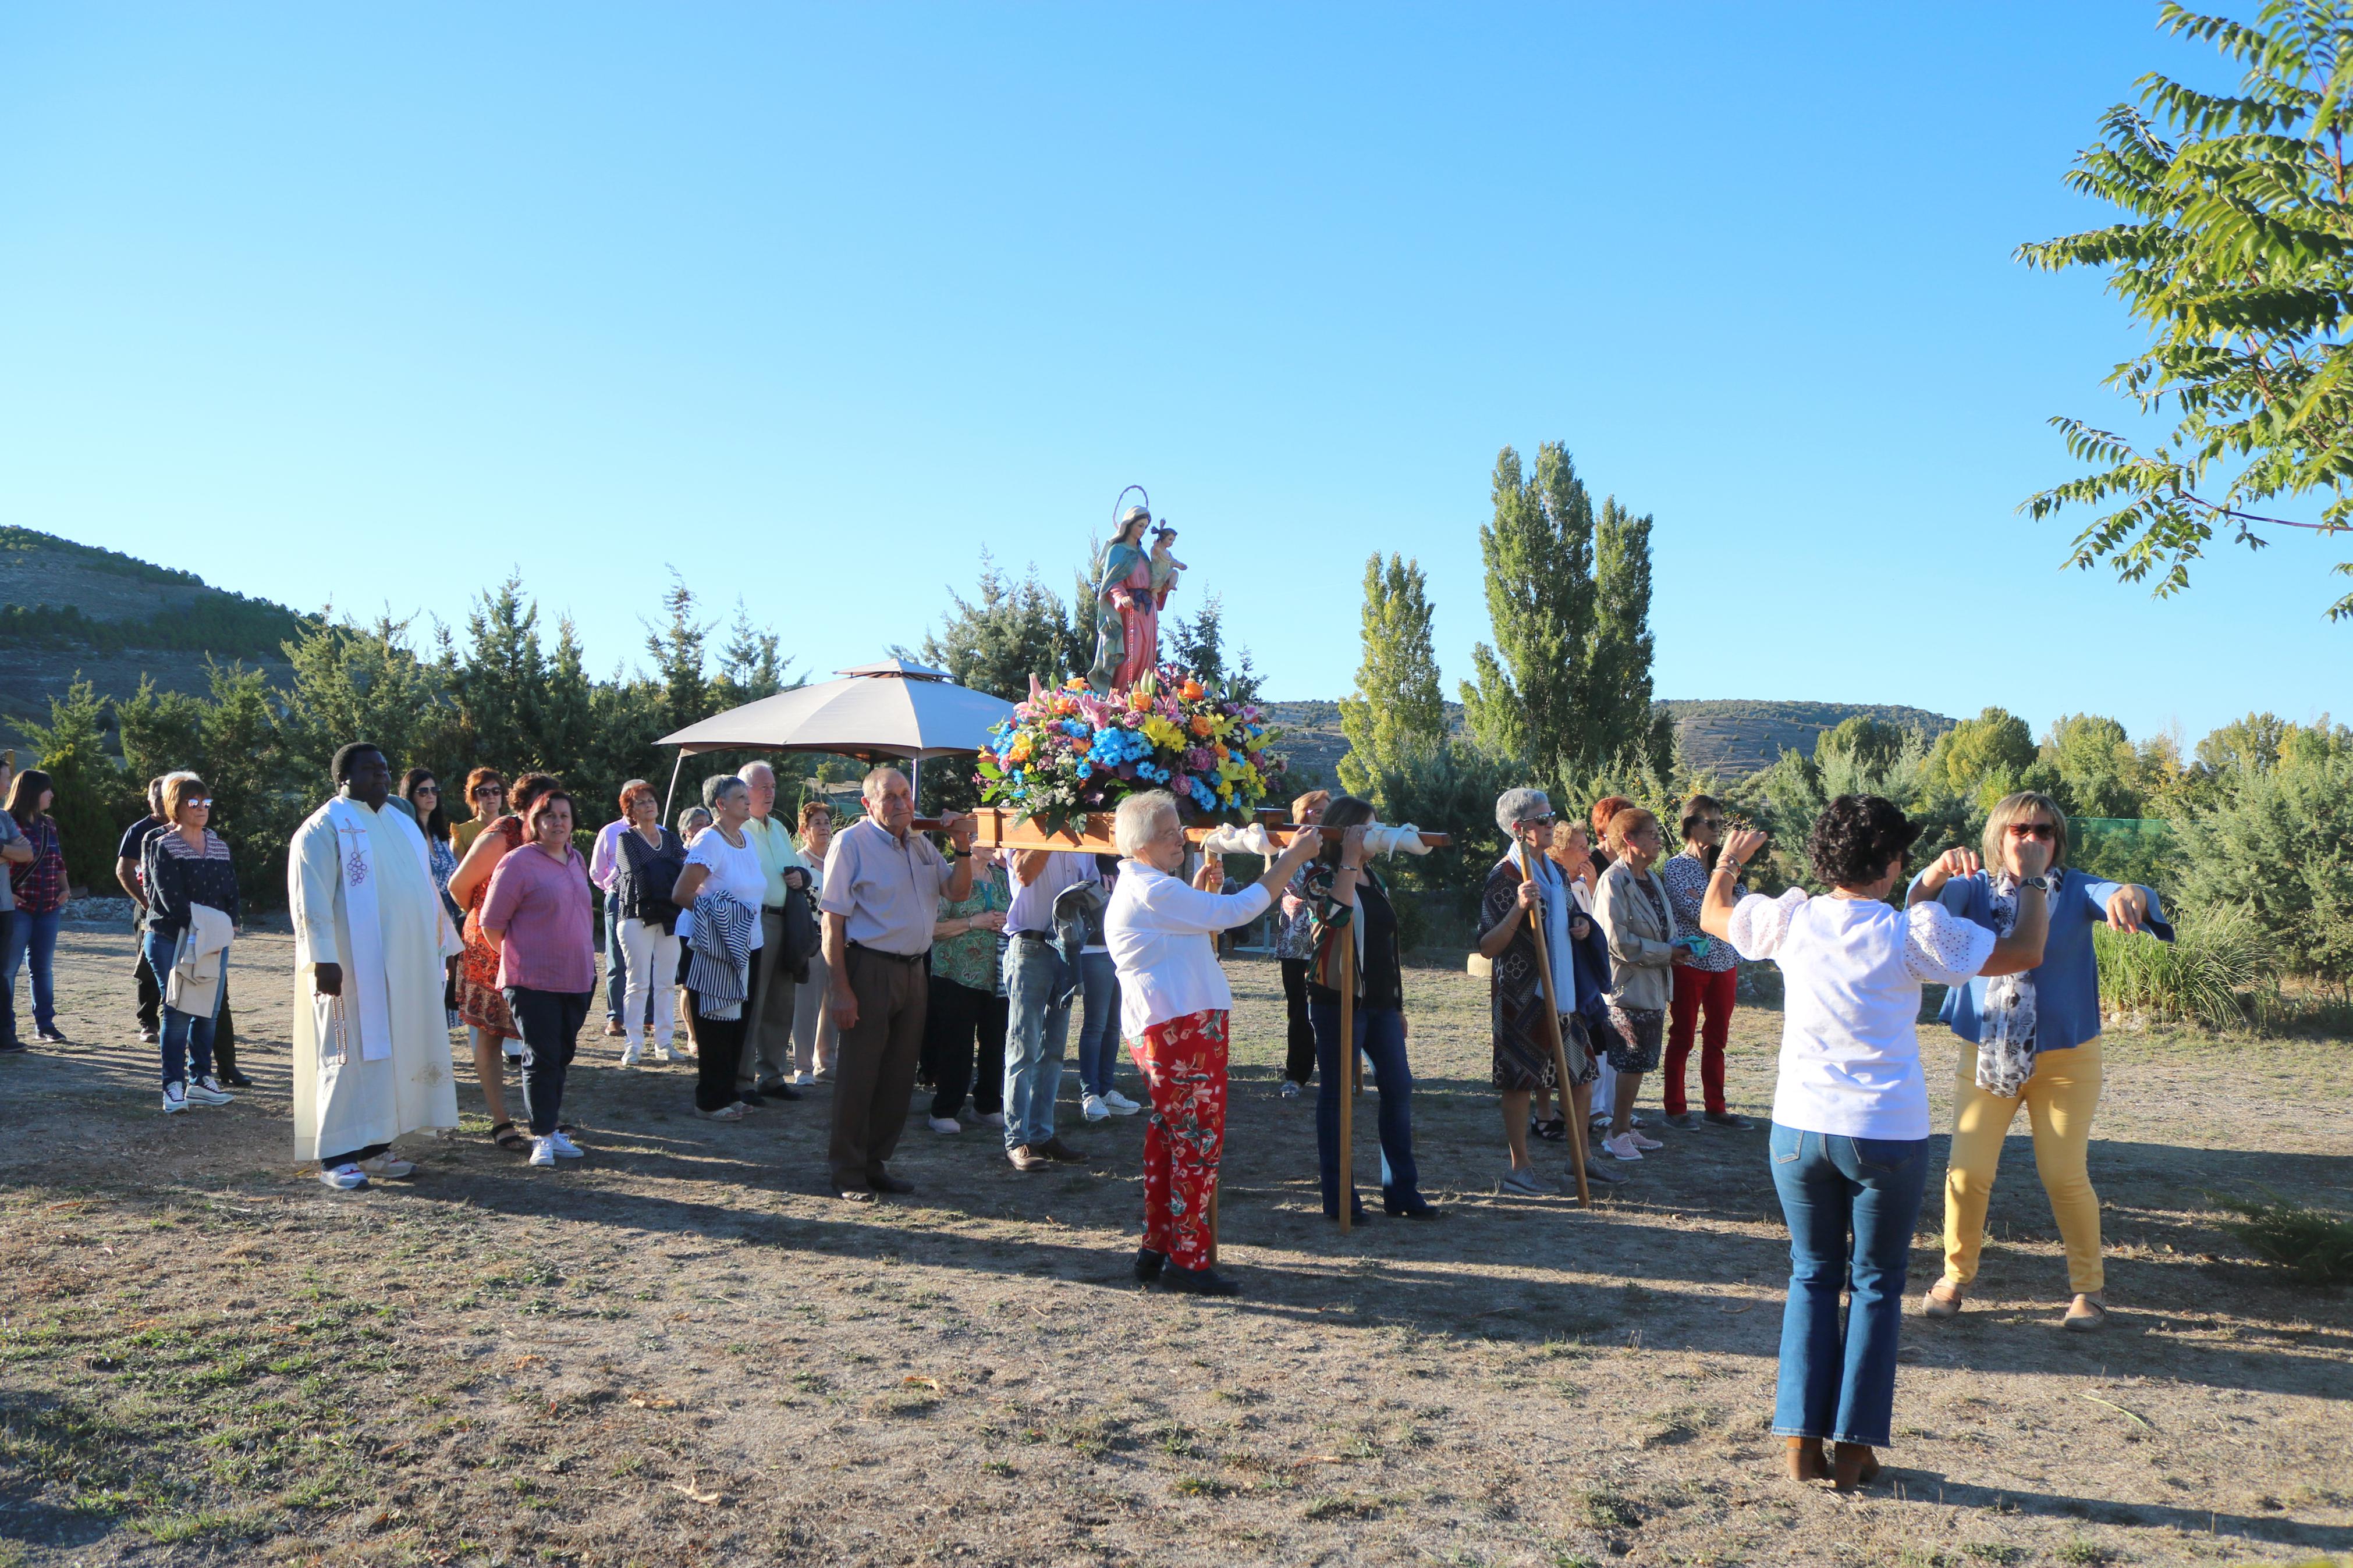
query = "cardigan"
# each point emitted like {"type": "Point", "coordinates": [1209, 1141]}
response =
{"type": "Point", "coordinates": [177, 876]}
{"type": "Point", "coordinates": [2067, 982]}
{"type": "Point", "coordinates": [1640, 949]}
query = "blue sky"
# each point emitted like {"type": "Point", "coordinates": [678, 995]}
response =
{"type": "Point", "coordinates": [376, 303]}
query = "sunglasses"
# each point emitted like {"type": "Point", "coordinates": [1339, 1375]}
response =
{"type": "Point", "coordinates": [1711, 823]}
{"type": "Point", "coordinates": [2042, 830]}
{"type": "Point", "coordinates": [426, 789]}
{"type": "Point", "coordinates": [489, 790]}
{"type": "Point", "coordinates": [204, 804]}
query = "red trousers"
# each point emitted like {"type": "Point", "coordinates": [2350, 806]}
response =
{"type": "Point", "coordinates": [1183, 1062]}
{"type": "Point", "coordinates": [1713, 990]}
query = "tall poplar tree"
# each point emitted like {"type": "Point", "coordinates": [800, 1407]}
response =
{"type": "Point", "coordinates": [1526, 698]}
{"type": "Point", "coordinates": [1399, 712]}
{"type": "Point", "coordinates": [1619, 717]}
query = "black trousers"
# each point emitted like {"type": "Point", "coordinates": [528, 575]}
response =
{"type": "Point", "coordinates": [549, 1022]}
{"type": "Point", "coordinates": [150, 995]}
{"type": "Point", "coordinates": [718, 1050]}
{"type": "Point", "coordinates": [1299, 1052]}
{"type": "Point", "coordinates": [963, 1036]}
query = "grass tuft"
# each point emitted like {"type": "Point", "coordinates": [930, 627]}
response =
{"type": "Point", "coordinates": [2313, 1244]}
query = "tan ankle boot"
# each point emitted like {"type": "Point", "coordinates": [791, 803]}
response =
{"type": "Point", "coordinates": [1806, 1460]}
{"type": "Point", "coordinates": [1855, 1465]}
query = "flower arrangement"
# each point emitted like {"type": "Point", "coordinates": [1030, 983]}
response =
{"type": "Point", "coordinates": [1072, 750]}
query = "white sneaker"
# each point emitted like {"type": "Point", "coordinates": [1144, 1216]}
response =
{"type": "Point", "coordinates": [563, 1144]}
{"type": "Point", "coordinates": [1120, 1104]}
{"type": "Point", "coordinates": [1094, 1107]}
{"type": "Point", "coordinates": [344, 1178]}
{"type": "Point", "coordinates": [175, 1098]}
{"type": "Point", "coordinates": [390, 1166]}
{"type": "Point", "coordinates": [1289, 1090]}
{"type": "Point", "coordinates": [945, 1125]}
{"type": "Point", "coordinates": [207, 1091]}
{"type": "Point", "coordinates": [1623, 1146]}
{"type": "Point", "coordinates": [804, 1080]}
{"type": "Point", "coordinates": [1643, 1142]}
{"type": "Point", "coordinates": [632, 1053]}
{"type": "Point", "coordinates": [542, 1152]}
{"type": "Point", "coordinates": [662, 1052]}
{"type": "Point", "coordinates": [994, 1118]}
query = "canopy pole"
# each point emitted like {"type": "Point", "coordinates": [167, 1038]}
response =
{"type": "Point", "coordinates": [671, 798]}
{"type": "Point", "coordinates": [916, 781]}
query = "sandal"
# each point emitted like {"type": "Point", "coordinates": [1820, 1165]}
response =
{"type": "Point", "coordinates": [504, 1135]}
{"type": "Point", "coordinates": [2087, 1313]}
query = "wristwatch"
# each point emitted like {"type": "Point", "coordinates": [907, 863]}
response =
{"type": "Point", "coordinates": [2040, 884]}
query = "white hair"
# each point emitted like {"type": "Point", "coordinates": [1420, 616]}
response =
{"type": "Point", "coordinates": [755, 767]}
{"type": "Point", "coordinates": [1514, 806]}
{"type": "Point", "coordinates": [1139, 820]}
{"type": "Point", "coordinates": [871, 789]}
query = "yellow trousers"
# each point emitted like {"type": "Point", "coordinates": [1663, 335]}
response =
{"type": "Point", "coordinates": [2060, 1099]}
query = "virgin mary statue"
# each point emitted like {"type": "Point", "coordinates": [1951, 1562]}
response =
{"type": "Point", "coordinates": [1134, 589]}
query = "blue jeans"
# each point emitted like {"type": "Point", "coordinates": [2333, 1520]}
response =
{"type": "Point", "coordinates": [36, 935]}
{"type": "Point", "coordinates": [1380, 1034]}
{"type": "Point", "coordinates": [187, 1039]}
{"type": "Point", "coordinates": [1038, 988]}
{"type": "Point", "coordinates": [616, 961]}
{"type": "Point", "coordinates": [1098, 1022]}
{"type": "Point", "coordinates": [1831, 1185]}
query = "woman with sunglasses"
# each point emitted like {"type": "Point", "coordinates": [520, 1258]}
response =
{"type": "Point", "coordinates": [2031, 1038]}
{"type": "Point", "coordinates": [1706, 975]}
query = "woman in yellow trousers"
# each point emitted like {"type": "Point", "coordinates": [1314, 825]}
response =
{"type": "Point", "coordinates": [2030, 1039]}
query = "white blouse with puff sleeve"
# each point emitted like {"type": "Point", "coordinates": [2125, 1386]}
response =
{"type": "Point", "coordinates": [1853, 970]}
{"type": "Point", "coordinates": [1160, 931]}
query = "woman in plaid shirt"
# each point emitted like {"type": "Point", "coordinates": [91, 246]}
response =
{"type": "Point", "coordinates": [39, 889]}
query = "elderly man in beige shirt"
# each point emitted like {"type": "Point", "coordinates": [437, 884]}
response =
{"type": "Point", "coordinates": [880, 895]}
{"type": "Point", "coordinates": [764, 1070]}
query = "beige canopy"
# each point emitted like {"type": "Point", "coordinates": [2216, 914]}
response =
{"type": "Point", "coordinates": [894, 708]}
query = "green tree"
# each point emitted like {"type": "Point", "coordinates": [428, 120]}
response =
{"type": "Point", "coordinates": [1398, 710]}
{"type": "Point", "coordinates": [1984, 758]}
{"type": "Point", "coordinates": [676, 648]}
{"type": "Point", "coordinates": [2096, 765]}
{"type": "Point", "coordinates": [1525, 701]}
{"type": "Point", "coordinates": [750, 664]}
{"type": "Point", "coordinates": [94, 800]}
{"type": "Point", "coordinates": [2278, 843]}
{"type": "Point", "coordinates": [357, 682]}
{"type": "Point", "coordinates": [1619, 717]}
{"type": "Point", "coordinates": [499, 683]}
{"type": "Point", "coordinates": [567, 719]}
{"type": "Point", "coordinates": [2251, 742]}
{"type": "Point", "coordinates": [996, 641]}
{"type": "Point", "coordinates": [2235, 253]}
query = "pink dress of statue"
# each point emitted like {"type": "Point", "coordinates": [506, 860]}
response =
{"type": "Point", "coordinates": [1138, 605]}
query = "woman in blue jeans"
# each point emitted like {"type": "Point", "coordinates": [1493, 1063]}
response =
{"type": "Point", "coordinates": [1351, 907]}
{"type": "Point", "coordinates": [39, 888]}
{"type": "Point", "coordinates": [1850, 1112]}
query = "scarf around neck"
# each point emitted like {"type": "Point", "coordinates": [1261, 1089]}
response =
{"type": "Point", "coordinates": [2005, 1023]}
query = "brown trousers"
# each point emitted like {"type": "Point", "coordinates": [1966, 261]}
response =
{"type": "Point", "coordinates": [875, 1072]}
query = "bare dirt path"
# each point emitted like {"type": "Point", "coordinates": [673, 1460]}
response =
{"type": "Point", "coordinates": [681, 1351]}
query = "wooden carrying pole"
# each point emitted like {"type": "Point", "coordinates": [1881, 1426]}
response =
{"type": "Point", "coordinates": [1568, 1115]}
{"type": "Point", "coordinates": [1346, 1067]}
{"type": "Point", "coordinates": [994, 827]}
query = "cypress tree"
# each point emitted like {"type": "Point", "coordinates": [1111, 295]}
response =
{"type": "Point", "coordinates": [1619, 717]}
{"type": "Point", "coordinates": [1525, 701]}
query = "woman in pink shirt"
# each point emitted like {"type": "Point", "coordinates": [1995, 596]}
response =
{"type": "Point", "coordinates": [536, 917]}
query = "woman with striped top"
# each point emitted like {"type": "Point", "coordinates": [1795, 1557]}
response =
{"type": "Point", "coordinates": [187, 865]}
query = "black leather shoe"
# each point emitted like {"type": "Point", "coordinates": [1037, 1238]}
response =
{"type": "Point", "coordinates": [752, 1097]}
{"type": "Point", "coordinates": [778, 1091]}
{"type": "Point", "coordinates": [1055, 1149]}
{"type": "Point", "coordinates": [1199, 1281]}
{"type": "Point", "coordinates": [236, 1079]}
{"type": "Point", "coordinates": [1425, 1211]}
{"type": "Point", "coordinates": [1148, 1264]}
{"type": "Point", "coordinates": [887, 1182]}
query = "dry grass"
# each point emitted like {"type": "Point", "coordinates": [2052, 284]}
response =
{"type": "Point", "coordinates": [679, 1351]}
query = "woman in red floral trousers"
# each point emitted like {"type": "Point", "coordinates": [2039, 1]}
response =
{"type": "Point", "coordinates": [1173, 1004]}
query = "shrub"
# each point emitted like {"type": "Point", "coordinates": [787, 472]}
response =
{"type": "Point", "coordinates": [2278, 843]}
{"type": "Point", "coordinates": [2218, 970]}
{"type": "Point", "coordinates": [2316, 1246]}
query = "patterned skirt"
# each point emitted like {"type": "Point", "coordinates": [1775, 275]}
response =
{"type": "Point", "coordinates": [481, 1003]}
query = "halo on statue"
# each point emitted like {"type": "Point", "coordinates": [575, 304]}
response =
{"type": "Point", "coordinates": [1118, 512]}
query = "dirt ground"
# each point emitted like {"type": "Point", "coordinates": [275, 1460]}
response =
{"type": "Point", "coordinates": [681, 1350]}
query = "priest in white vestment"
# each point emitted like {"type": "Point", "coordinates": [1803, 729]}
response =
{"type": "Point", "coordinates": [373, 946]}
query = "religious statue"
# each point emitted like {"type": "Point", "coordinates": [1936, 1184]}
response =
{"type": "Point", "coordinates": [1133, 590]}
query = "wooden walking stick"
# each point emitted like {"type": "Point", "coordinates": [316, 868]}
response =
{"type": "Point", "coordinates": [1552, 1022]}
{"type": "Point", "coordinates": [1348, 1069]}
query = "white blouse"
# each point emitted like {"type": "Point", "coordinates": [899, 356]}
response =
{"type": "Point", "coordinates": [1159, 931]}
{"type": "Point", "coordinates": [732, 870]}
{"type": "Point", "coordinates": [1853, 970]}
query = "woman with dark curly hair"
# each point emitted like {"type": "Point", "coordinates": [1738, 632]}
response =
{"type": "Point", "coordinates": [1851, 1110]}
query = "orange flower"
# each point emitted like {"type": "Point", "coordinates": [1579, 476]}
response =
{"type": "Point", "coordinates": [1201, 726]}
{"type": "Point", "coordinates": [1140, 701]}
{"type": "Point", "coordinates": [1191, 691]}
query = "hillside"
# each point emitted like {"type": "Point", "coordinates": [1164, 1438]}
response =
{"type": "Point", "coordinates": [68, 608]}
{"type": "Point", "coordinates": [1729, 739]}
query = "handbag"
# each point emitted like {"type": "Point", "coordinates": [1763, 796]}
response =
{"type": "Point", "coordinates": [802, 938]}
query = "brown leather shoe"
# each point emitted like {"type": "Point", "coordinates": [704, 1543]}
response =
{"type": "Point", "coordinates": [1055, 1149]}
{"type": "Point", "coordinates": [1025, 1158]}
{"type": "Point", "coordinates": [1806, 1460]}
{"type": "Point", "coordinates": [1853, 1465]}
